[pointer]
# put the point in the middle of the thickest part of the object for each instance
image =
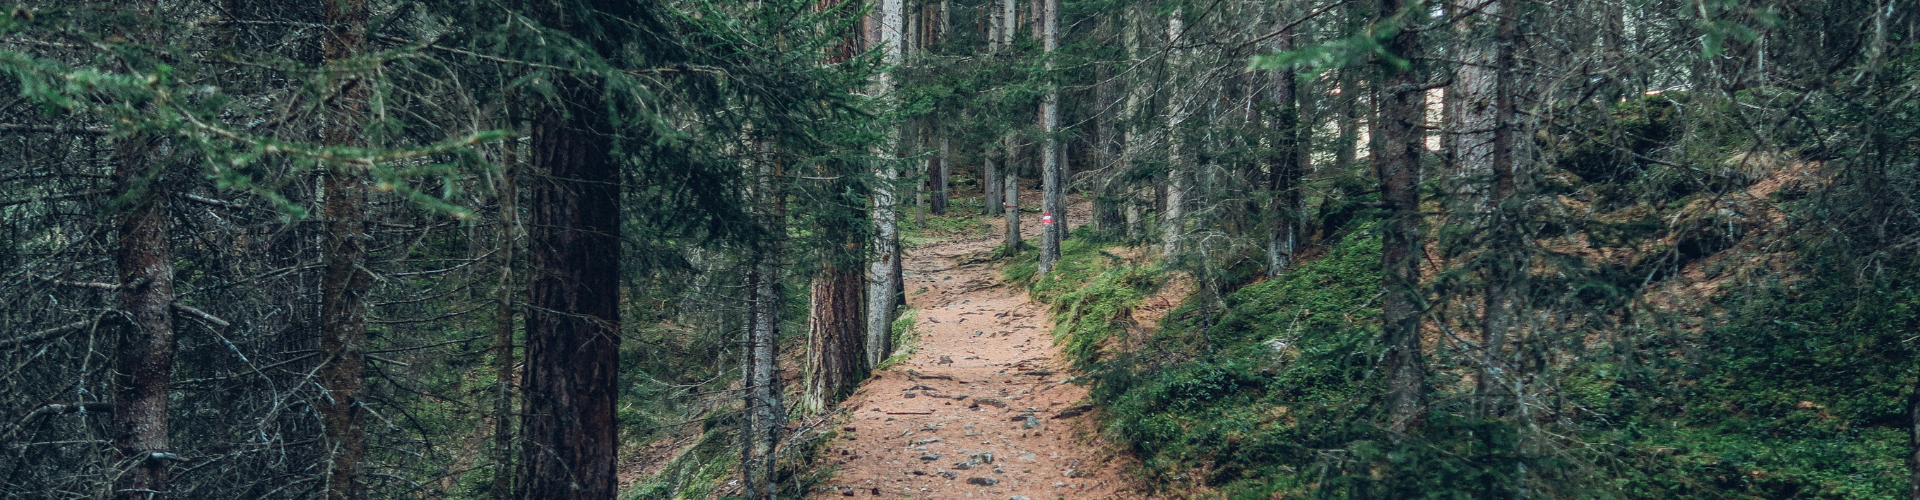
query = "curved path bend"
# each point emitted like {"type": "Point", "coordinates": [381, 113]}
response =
{"type": "Point", "coordinates": [983, 407]}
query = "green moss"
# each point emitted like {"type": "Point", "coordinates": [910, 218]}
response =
{"type": "Point", "coordinates": [696, 473]}
{"type": "Point", "coordinates": [905, 338]}
{"type": "Point", "coordinates": [1240, 399]}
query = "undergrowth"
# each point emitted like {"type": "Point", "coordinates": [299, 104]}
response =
{"type": "Point", "coordinates": [1797, 391]}
{"type": "Point", "coordinates": [906, 339]}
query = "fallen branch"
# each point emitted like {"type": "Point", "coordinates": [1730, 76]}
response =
{"type": "Point", "coordinates": [917, 375]}
{"type": "Point", "coordinates": [47, 334]}
{"type": "Point", "coordinates": [203, 315]}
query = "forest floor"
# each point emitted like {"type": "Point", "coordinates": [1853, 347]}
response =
{"type": "Point", "coordinates": [983, 406]}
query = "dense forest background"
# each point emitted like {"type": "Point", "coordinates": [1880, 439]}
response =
{"type": "Point", "coordinates": [640, 249]}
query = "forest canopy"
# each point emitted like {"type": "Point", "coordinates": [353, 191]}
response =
{"type": "Point", "coordinates": [650, 248]}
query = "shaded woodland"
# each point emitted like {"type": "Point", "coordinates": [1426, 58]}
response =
{"type": "Point", "coordinates": [600, 249]}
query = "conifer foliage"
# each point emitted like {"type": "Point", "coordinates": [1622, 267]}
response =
{"type": "Point", "coordinates": [364, 249]}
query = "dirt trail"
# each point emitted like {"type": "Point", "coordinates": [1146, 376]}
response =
{"type": "Point", "coordinates": [983, 408]}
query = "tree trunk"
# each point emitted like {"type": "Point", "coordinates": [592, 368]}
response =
{"type": "Point", "coordinates": [989, 184]}
{"type": "Point", "coordinates": [1130, 147]}
{"type": "Point", "coordinates": [343, 299]}
{"type": "Point", "coordinates": [1475, 116]}
{"type": "Point", "coordinates": [882, 272]}
{"type": "Point", "coordinates": [1283, 226]}
{"type": "Point", "coordinates": [937, 178]}
{"type": "Point", "coordinates": [143, 354]}
{"type": "Point", "coordinates": [504, 313]}
{"type": "Point", "coordinates": [143, 373]}
{"type": "Point", "coordinates": [1401, 113]}
{"type": "Point", "coordinates": [833, 356]}
{"type": "Point", "coordinates": [1012, 239]}
{"type": "Point", "coordinates": [764, 417]}
{"type": "Point", "coordinates": [1173, 217]}
{"type": "Point", "coordinates": [1107, 218]}
{"type": "Point", "coordinates": [573, 334]}
{"type": "Point", "coordinates": [1052, 207]}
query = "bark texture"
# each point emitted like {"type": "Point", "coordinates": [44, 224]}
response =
{"type": "Point", "coordinates": [765, 414]}
{"type": "Point", "coordinates": [833, 355]}
{"type": "Point", "coordinates": [143, 356]}
{"type": "Point", "coordinates": [504, 312]}
{"type": "Point", "coordinates": [1173, 216]}
{"type": "Point", "coordinates": [937, 178]}
{"type": "Point", "coordinates": [1012, 208]}
{"type": "Point", "coordinates": [883, 264]}
{"type": "Point", "coordinates": [1052, 192]}
{"type": "Point", "coordinates": [343, 299]}
{"type": "Point", "coordinates": [573, 324]}
{"type": "Point", "coordinates": [1289, 164]}
{"type": "Point", "coordinates": [143, 371]}
{"type": "Point", "coordinates": [1401, 113]}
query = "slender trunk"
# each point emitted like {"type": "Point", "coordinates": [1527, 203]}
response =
{"type": "Point", "coordinates": [989, 184]}
{"type": "Point", "coordinates": [1009, 21]}
{"type": "Point", "coordinates": [1401, 111]}
{"type": "Point", "coordinates": [1283, 228]}
{"type": "Point", "coordinates": [764, 417]}
{"type": "Point", "coordinates": [1173, 217]}
{"type": "Point", "coordinates": [1130, 147]}
{"type": "Point", "coordinates": [1107, 218]}
{"type": "Point", "coordinates": [1052, 209]}
{"type": "Point", "coordinates": [503, 325]}
{"type": "Point", "coordinates": [937, 178]}
{"type": "Point", "coordinates": [882, 271]}
{"type": "Point", "coordinates": [1483, 142]}
{"type": "Point", "coordinates": [1507, 276]}
{"type": "Point", "coordinates": [343, 301]}
{"type": "Point", "coordinates": [572, 341]}
{"type": "Point", "coordinates": [1012, 239]}
{"type": "Point", "coordinates": [1349, 123]}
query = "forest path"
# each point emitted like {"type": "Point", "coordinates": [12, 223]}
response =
{"type": "Point", "coordinates": [982, 408]}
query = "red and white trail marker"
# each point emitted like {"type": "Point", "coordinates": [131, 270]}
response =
{"type": "Point", "coordinates": [1046, 218]}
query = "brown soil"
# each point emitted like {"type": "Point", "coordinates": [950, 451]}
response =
{"type": "Point", "coordinates": [983, 407]}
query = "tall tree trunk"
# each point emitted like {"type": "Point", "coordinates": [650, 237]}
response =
{"type": "Point", "coordinates": [989, 183]}
{"type": "Point", "coordinates": [1402, 108]}
{"type": "Point", "coordinates": [1052, 203]}
{"type": "Point", "coordinates": [143, 356]}
{"type": "Point", "coordinates": [1475, 116]}
{"type": "Point", "coordinates": [1012, 240]}
{"type": "Point", "coordinates": [343, 299]}
{"type": "Point", "coordinates": [1131, 138]}
{"type": "Point", "coordinates": [1473, 123]}
{"type": "Point", "coordinates": [143, 373]}
{"type": "Point", "coordinates": [834, 344]}
{"type": "Point", "coordinates": [1107, 217]}
{"type": "Point", "coordinates": [573, 334]}
{"type": "Point", "coordinates": [1349, 123]}
{"type": "Point", "coordinates": [937, 177]}
{"type": "Point", "coordinates": [1009, 22]}
{"type": "Point", "coordinates": [1173, 217]}
{"type": "Point", "coordinates": [882, 271]}
{"type": "Point", "coordinates": [503, 317]}
{"type": "Point", "coordinates": [1283, 226]}
{"type": "Point", "coordinates": [764, 418]}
